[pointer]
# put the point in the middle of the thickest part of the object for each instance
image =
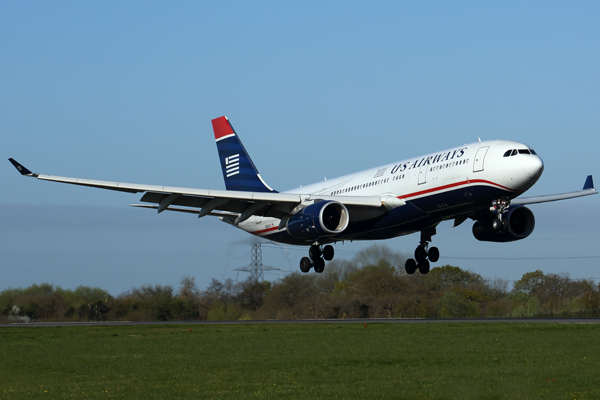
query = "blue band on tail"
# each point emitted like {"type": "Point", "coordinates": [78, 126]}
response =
{"type": "Point", "coordinates": [239, 171]}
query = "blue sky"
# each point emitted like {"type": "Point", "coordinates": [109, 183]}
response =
{"type": "Point", "coordinates": [126, 91]}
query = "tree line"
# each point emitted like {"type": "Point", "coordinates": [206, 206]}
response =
{"type": "Point", "coordinates": [371, 285]}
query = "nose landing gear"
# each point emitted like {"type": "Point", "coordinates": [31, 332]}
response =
{"type": "Point", "coordinates": [423, 254]}
{"type": "Point", "coordinates": [317, 257]}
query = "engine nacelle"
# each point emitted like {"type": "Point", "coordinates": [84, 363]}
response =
{"type": "Point", "coordinates": [519, 223]}
{"type": "Point", "coordinates": [320, 219]}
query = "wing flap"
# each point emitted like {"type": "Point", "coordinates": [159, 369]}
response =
{"type": "Point", "coordinates": [233, 205]}
{"type": "Point", "coordinates": [185, 210]}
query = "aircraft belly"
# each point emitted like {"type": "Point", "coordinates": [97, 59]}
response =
{"type": "Point", "coordinates": [412, 217]}
{"type": "Point", "coordinates": [423, 212]}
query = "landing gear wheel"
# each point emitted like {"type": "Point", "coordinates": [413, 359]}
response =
{"type": "Point", "coordinates": [314, 252]}
{"type": "Point", "coordinates": [328, 253]}
{"type": "Point", "coordinates": [420, 254]}
{"type": "Point", "coordinates": [434, 254]}
{"type": "Point", "coordinates": [319, 265]}
{"type": "Point", "coordinates": [410, 266]}
{"type": "Point", "coordinates": [497, 224]}
{"type": "Point", "coordinates": [424, 267]}
{"type": "Point", "coordinates": [305, 264]}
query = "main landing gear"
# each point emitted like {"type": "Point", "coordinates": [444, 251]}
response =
{"type": "Point", "coordinates": [317, 258]}
{"type": "Point", "coordinates": [499, 207]}
{"type": "Point", "coordinates": [423, 254]}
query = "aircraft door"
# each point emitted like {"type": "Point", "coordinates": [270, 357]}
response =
{"type": "Point", "coordinates": [423, 174]}
{"type": "Point", "coordinates": [479, 158]}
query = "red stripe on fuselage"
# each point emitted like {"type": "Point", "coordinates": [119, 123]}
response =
{"type": "Point", "coordinates": [221, 127]}
{"type": "Point", "coordinates": [422, 192]}
{"type": "Point", "coordinates": [274, 228]}
{"type": "Point", "coordinates": [406, 196]}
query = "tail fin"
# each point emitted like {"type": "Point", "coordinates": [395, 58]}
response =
{"type": "Point", "coordinates": [239, 171]}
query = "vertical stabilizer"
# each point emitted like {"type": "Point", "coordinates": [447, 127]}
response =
{"type": "Point", "coordinates": [239, 171]}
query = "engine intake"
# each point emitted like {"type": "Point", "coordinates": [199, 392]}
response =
{"type": "Point", "coordinates": [519, 223]}
{"type": "Point", "coordinates": [320, 219]}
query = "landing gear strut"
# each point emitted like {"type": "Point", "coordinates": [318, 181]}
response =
{"type": "Point", "coordinates": [423, 254]}
{"type": "Point", "coordinates": [499, 207]}
{"type": "Point", "coordinates": [317, 257]}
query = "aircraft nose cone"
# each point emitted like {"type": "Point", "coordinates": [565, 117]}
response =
{"type": "Point", "coordinates": [535, 167]}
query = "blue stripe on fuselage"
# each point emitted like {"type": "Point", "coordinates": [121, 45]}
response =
{"type": "Point", "coordinates": [412, 217]}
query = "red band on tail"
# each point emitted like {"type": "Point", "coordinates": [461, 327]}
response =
{"type": "Point", "coordinates": [221, 127]}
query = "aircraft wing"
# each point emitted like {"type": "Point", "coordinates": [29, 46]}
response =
{"type": "Point", "coordinates": [588, 189]}
{"type": "Point", "coordinates": [205, 201]}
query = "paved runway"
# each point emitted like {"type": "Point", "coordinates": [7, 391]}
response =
{"type": "Point", "coordinates": [319, 321]}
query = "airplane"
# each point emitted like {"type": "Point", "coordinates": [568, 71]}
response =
{"type": "Point", "coordinates": [481, 181]}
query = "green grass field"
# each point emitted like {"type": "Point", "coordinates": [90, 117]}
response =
{"type": "Point", "coordinates": [349, 361]}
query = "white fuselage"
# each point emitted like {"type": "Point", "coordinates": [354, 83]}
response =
{"type": "Point", "coordinates": [441, 185]}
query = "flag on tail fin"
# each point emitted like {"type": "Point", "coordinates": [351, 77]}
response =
{"type": "Point", "coordinates": [239, 171]}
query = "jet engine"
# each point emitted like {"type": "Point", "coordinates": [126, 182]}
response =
{"type": "Point", "coordinates": [517, 224]}
{"type": "Point", "coordinates": [320, 219]}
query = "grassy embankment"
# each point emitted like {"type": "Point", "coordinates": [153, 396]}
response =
{"type": "Point", "coordinates": [440, 361]}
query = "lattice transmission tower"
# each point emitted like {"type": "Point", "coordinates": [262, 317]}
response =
{"type": "Point", "coordinates": [256, 267]}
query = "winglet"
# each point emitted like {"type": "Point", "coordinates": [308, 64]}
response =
{"type": "Point", "coordinates": [589, 183]}
{"type": "Point", "coordinates": [21, 168]}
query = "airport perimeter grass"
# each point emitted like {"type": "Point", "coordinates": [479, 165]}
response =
{"type": "Point", "coordinates": [350, 361]}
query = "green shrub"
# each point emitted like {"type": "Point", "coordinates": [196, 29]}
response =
{"type": "Point", "coordinates": [452, 305]}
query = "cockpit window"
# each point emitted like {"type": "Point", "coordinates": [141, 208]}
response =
{"type": "Point", "coordinates": [514, 152]}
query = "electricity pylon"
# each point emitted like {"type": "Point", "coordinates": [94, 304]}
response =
{"type": "Point", "coordinates": [256, 267]}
